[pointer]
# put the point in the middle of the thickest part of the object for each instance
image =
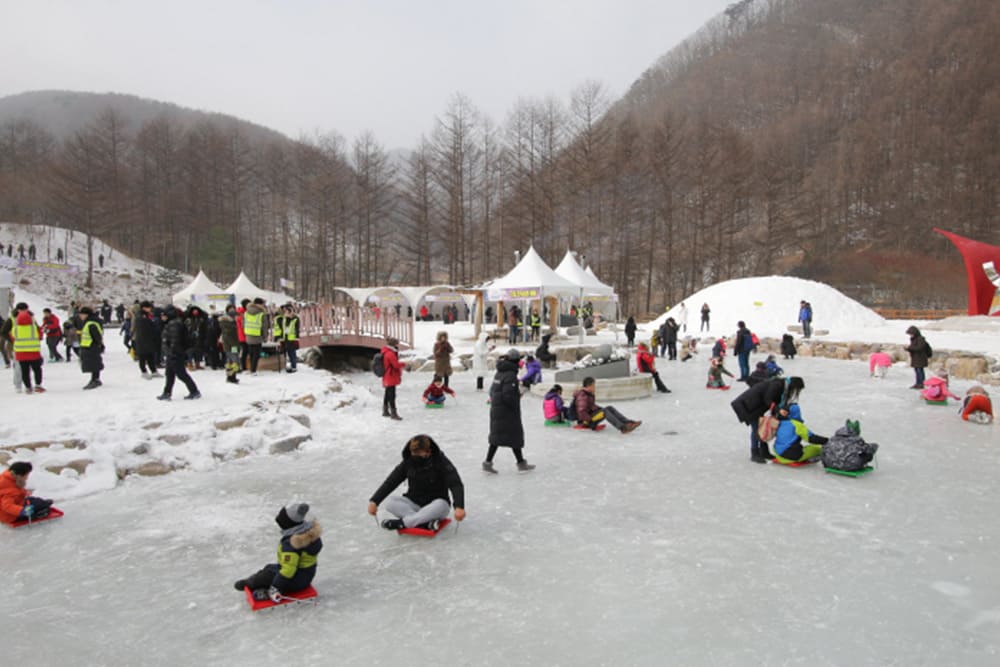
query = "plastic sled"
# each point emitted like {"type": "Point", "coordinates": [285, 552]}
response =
{"type": "Point", "coordinates": [724, 387]}
{"type": "Point", "coordinates": [553, 422]}
{"type": "Point", "coordinates": [850, 473]}
{"type": "Point", "coordinates": [933, 402]}
{"type": "Point", "coordinates": [793, 464]}
{"type": "Point", "coordinates": [434, 405]}
{"type": "Point", "coordinates": [424, 532]}
{"type": "Point", "coordinates": [584, 427]}
{"type": "Point", "coordinates": [54, 513]}
{"type": "Point", "coordinates": [299, 596]}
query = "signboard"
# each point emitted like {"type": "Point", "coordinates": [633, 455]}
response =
{"type": "Point", "coordinates": [444, 298]}
{"type": "Point", "coordinates": [48, 266]}
{"type": "Point", "coordinates": [221, 299]}
{"type": "Point", "coordinates": [513, 294]}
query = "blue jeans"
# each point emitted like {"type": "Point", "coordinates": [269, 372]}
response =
{"type": "Point", "coordinates": [293, 358]}
{"type": "Point", "coordinates": [744, 358]}
{"type": "Point", "coordinates": [920, 375]}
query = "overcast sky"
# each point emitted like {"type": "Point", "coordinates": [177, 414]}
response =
{"type": "Point", "coordinates": [306, 66]}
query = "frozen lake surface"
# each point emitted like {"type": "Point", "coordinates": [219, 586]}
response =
{"type": "Point", "coordinates": [666, 546]}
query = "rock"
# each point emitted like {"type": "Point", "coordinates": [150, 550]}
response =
{"type": "Point", "coordinates": [302, 419]}
{"type": "Point", "coordinates": [842, 352]}
{"type": "Point", "coordinates": [231, 423]}
{"type": "Point", "coordinates": [805, 350]}
{"type": "Point", "coordinates": [334, 387]}
{"type": "Point", "coordinates": [288, 444]}
{"type": "Point", "coordinates": [78, 465]}
{"type": "Point", "coordinates": [4, 457]}
{"type": "Point", "coordinates": [174, 438]}
{"type": "Point", "coordinates": [966, 368]}
{"type": "Point", "coordinates": [151, 469]}
{"type": "Point", "coordinates": [140, 449]}
{"type": "Point", "coordinates": [152, 425]}
{"type": "Point", "coordinates": [67, 444]}
{"type": "Point", "coordinates": [308, 401]}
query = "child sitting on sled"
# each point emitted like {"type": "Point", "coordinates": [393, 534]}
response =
{"type": "Point", "coordinates": [790, 436]}
{"type": "Point", "coordinates": [16, 501]}
{"type": "Point", "coordinates": [772, 367]}
{"type": "Point", "coordinates": [716, 369]}
{"type": "Point", "coordinates": [532, 371]}
{"type": "Point", "coordinates": [936, 389]}
{"type": "Point", "coordinates": [977, 406]}
{"type": "Point", "coordinates": [553, 407]}
{"type": "Point", "coordinates": [436, 390]}
{"type": "Point", "coordinates": [297, 551]}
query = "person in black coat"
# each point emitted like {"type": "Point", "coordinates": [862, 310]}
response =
{"type": "Point", "coordinates": [506, 429]}
{"type": "Point", "coordinates": [668, 338]}
{"type": "Point", "coordinates": [175, 345]}
{"type": "Point", "coordinates": [630, 330]}
{"type": "Point", "coordinates": [91, 347]}
{"type": "Point", "coordinates": [429, 476]}
{"type": "Point", "coordinates": [768, 396]}
{"type": "Point", "coordinates": [145, 339]}
{"type": "Point", "coordinates": [542, 352]}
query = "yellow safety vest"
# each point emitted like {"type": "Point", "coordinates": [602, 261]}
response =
{"type": "Point", "coordinates": [85, 338]}
{"type": "Point", "coordinates": [279, 322]}
{"type": "Point", "coordinates": [26, 338]}
{"type": "Point", "coordinates": [291, 327]}
{"type": "Point", "coordinates": [253, 323]}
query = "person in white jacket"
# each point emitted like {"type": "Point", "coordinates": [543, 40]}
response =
{"type": "Point", "coordinates": [479, 353]}
{"type": "Point", "coordinates": [682, 317]}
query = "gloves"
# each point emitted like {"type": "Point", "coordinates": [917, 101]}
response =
{"type": "Point", "coordinates": [29, 510]}
{"type": "Point", "coordinates": [274, 594]}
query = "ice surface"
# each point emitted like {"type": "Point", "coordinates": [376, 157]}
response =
{"type": "Point", "coordinates": [666, 546]}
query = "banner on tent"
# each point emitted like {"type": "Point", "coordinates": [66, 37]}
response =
{"type": "Point", "coordinates": [213, 298]}
{"type": "Point", "coordinates": [388, 298]}
{"type": "Point", "coordinates": [443, 298]}
{"type": "Point", "coordinates": [602, 297]}
{"type": "Point", "coordinates": [513, 294]}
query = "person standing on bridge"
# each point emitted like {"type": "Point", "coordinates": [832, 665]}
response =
{"type": "Point", "coordinates": [392, 377]}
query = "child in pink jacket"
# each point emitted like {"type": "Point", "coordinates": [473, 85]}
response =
{"type": "Point", "coordinates": [878, 364]}
{"type": "Point", "coordinates": [936, 389]}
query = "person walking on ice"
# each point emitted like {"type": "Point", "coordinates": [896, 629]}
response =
{"type": "Point", "coordinates": [506, 428]}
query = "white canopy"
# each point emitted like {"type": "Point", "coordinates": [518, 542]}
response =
{"type": "Point", "coordinates": [201, 285]}
{"type": "Point", "coordinates": [531, 273]}
{"type": "Point", "coordinates": [586, 280]}
{"type": "Point", "coordinates": [243, 288]}
{"type": "Point", "coordinates": [412, 295]}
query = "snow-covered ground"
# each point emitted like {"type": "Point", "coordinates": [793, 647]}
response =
{"type": "Point", "coordinates": [666, 546]}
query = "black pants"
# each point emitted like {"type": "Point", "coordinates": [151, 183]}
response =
{"type": "Point", "coordinates": [147, 362]}
{"type": "Point", "coordinates": [518, 456]}
{"type": "Point", "coordinates": [253, 350]}
{"type": "Point", "coordinates": [658, 382]}
{"type": "Point", "coordinates": [177, 369]}
{"type": "Point", "coordinates": [265, 578]}
{"type": "Point", "coordinates": [53, 343]}
{"type": "Point", "coordinates": [244, 355]}
{"type": "Point", "coordinates": [389, 399]}
{"type": "Point", "coordinates": [672, 350]}
{"type": "Point", "coordinates": [29, 367]}
{"type": "Point", "coordinates": [615, 418]}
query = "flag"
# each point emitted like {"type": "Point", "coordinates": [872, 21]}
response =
{"type": "Point", "coordinates": [286, 284]}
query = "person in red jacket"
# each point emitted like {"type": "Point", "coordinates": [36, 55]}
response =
{"type": "Point", "coordinates": [27, 339]}
{"type": "Point", "coordinates": [52, 330]}
{"type": "Point", "coordinates": [241, 334]}
{"type": "Point", "coordinates": [644, 362]}
{"type": "Point", "coordinates": [16, 501]}
{"type": "Point", "coordinates": [392, 377]}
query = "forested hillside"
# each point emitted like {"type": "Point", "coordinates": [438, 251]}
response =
{"type": "Point", "coordinates": [819, 138]}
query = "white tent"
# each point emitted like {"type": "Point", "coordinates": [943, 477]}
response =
{"type": "Point", "coordinates": [243, 288]}
{"type": "Point", "coordinates": [532, 278]}
{"type": "Point", "coordinates": [586, 280]}
{"type": "Point", "coordinates": [200, 286]}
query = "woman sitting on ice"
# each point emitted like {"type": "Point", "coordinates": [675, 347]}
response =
{"type": "Point", "coordinates": [790, 435]}
{"type": "Point", "coordinates": [977, 406]}
{"type": "Point", "coordinates": [715, 373]}
{"type": "Point", "coordinates": [936, 389]}
{"type": "Point", "coordinates": [879, 363]}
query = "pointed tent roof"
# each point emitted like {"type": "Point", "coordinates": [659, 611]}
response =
{"type": "Point", "coordinates": [533, 272]}
{"type": "Point", "coordinates": [570, 270]}
{"type": "Point", "coordinates": [243, 288]}
{"type": "Point", "coordinates": [200, 285]}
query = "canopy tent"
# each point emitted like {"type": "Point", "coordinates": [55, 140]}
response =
{"type": "Point", "coordinates": [411, 295]}
{"type": "Point", "coordinates": [200, 286]}
{"type": "Point", "coordinates": [588, 283]}
{"type": "Point", "coordinates": [243, 288]}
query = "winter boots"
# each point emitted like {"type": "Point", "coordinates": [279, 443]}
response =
{"type": "Point", "coordinates": [394, 415]}
{"type": "Point", "coordinates": [393, 524]}
{"type": "Point", "coordinates": [524, 466]}
{"type": "Point", "coordinates": [488, 467]}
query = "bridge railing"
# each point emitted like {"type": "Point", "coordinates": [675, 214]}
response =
{"type": "Point", "coordinates": [324, 319]}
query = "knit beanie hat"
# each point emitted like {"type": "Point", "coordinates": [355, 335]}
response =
{"type": "Point", "coordinates": [292, 515]}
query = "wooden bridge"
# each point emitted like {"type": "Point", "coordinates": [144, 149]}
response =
{"type": "Point", "coordinates": [324, 325]}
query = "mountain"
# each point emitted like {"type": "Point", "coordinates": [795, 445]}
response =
{"type": "Point", "coordinates": [64, 112]}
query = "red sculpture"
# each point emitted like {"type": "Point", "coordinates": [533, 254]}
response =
{"type": "Point", "coordinates": [982, 264]}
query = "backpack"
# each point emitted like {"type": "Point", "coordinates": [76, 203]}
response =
{"type": "Point", "coordinates": [571, 410]}
{"type": "Point", "coordinates": [378, 366]}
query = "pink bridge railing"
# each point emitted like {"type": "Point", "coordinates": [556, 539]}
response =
{"type": "Point", "coordinates": [339, 322]}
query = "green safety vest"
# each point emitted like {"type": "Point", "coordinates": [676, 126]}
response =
{"type": "Point", "coordinates": [85, 338]}
{"type": "Point", "coordinates": [26, 338]}
{"type": "Point", "coordinates": [286, 327]}
{"type": "Point", "coordinates": [253, 323]}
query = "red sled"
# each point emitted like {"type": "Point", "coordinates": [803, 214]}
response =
{"type": "Point", "coordinates": [424, 532]}
{"type": "Point", "coordinates": [724, 387]}
{"type": "Point", "coordinates": [299, 596]}
{"type": "Point", "coordinates": [54, 513]}
{"type": "Point", "coordinates": [793, 464]}
{"type": "Point", "coordinates": [584, 427]}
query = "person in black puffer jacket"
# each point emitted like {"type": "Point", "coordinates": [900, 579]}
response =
{"type": "Point", "coordinates": [297, 554]}
{"type": "Point", "coordinates": [506, 429]}
{"type": "Point", "coordinates": [768, 396]}
{"type": "Point", "coordinates": [175, 346]}
{"type": "Point", "coordinates": [429, 476]}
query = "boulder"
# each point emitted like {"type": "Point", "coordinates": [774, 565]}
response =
{"type": "Point", "coordinates": [288, 444]}
{"type": "Point", "coordinates": [174, 438]}
{"type": "Point", "coordinates": [302, 419]}
{"type": "Point", "coordinates": [966, 368]}
{"type": "Point", "coordinates": [308, 401]}
{"type": "Point", "coordinates": [79, 465]}
{"type": "Point", "coordinates": [231, 423]}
